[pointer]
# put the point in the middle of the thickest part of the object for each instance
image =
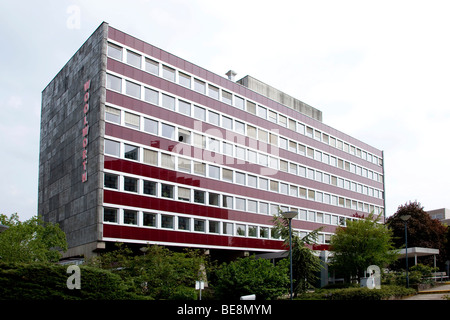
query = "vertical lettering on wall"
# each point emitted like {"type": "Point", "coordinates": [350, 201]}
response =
{"type": "Point", "coordinates": [85, 131]}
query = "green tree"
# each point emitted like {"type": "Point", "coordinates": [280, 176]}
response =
{"type": "Point", "coordinates": [252, 276]}
{"type": "Point", "coordinates": [361, 243]}
{"type": "Point", "coordinates": [305, 265]}
{"type": "Point", "coordinates": [30, 241]}
{"type": "Point", "coordinates": [423, 231]}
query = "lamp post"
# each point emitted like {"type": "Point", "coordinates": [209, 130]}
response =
{"type": "Point", "coordinates": [405, 218]}
{"type": "Point", "coordinates": [290, 215]}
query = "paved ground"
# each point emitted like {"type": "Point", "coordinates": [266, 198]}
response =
{"type": "Point", "coordinates": [436, 293]}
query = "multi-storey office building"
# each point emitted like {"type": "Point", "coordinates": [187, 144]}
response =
{"type": "Point", "coordinates": [140, 146]}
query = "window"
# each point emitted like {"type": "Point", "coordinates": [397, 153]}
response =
{"type": "Point", "coordinates": [200, 168]}
{"type": "Point", "coordinates": [168, 131]}
{"type": "Point", "coordinates": [303, 215]}
{"type": "Point", "coordinates": [226, 97]}
{"type": "Point", "coordinates": [151, 96]}
{"type": "Point", "coordinates": [150, 187]}
{"type": "Point", "coordinates": [252, 181]}
{"type": "Point", "coordinates": [112, 148]}
{"type": "Point", "coordinates": [133, 89]}
{"type": "Point", "coordinates": [227, 228]}
{"type": "Point", "coordinates": [272, 116]}
{"type": "Point", "coordinates": [110, 215]}
{"type": "Point", "coordinates": [227, 175]}
{"type": "Point", "coordinates": [134, 59]}
{"type": "Point", "coordinates": [184, 223]}
{"type": "Point", "coordinates": [213, 145]}
{"type": "Point", "coordinates": [184, 79]}
{"type": "Point", "coordinates": [199, 141]}
{"type": "Point", "coordinates": [151, 66]}
{"type": "Point", "coordinates": [129, 217]}
{"type": "Point", "coordinates": [227, 202]}
{"type": "Point", "coordinates": [252, 156]}
{"type": "Point", "coordinates": [213, 92]}
{"type": "Point", "coordinates": [262, 135]}
{"type": "Point", "coordinates": [240, 230]}
{"type": "Point", "coordinates": [166, 221]}
{"type": "Point", "coordinates": [199, 113]}
{"type": "Point", "coordinates": [273, 185]}
{"type": "Point", "coordinates": [131, 152]}
{"type": "Point", "coordinates": [151, 126]}
{"type": "Point", "coordinates": [184, 107]}
{"type": "Point", "coordinates": [130, 184]}
{"type": "Point", "coordinates": [132, 120]}
{"type": "Point", "coordinates": [168, 73]}
{"type": "Point", "coordinates": [184, 164]}
{"type": "Point", "coordinates": [264, 232]}
{"type": "Point", "coordinates": [214, 226]}
{"type": "Point", "coordinates": [184, 194]}
{"type": "Point", "coordinates": [166, 191]}
{"type": "Point", "coordinates": [150, 157]}
{"type": "Point", "coordinates": [199, 86]}
{"type": "Point", "coordinates": [213, 199]}
{"type": "Point", "coordinates": [168, 102]}
{"type": "Point", "coordinates": [227, 148]}
{"type": "Point", "coordinates": [240, 178]}
{"type": "Point", "coordinates": [251, 107]}
{"type": "Point", "coordinates": [252, 206]}
{"type": "Point", "coordinates": [240, 153]}
{"type": "Point", "coordinates": [199, 196]}
{"type": "Point", "coordinates": [263, 208]}
{"type": "Point", "coordinates": [114, 51]}
{"type": "Point", "coordinates": [240, 204]}
{"type": "Point", "coordinates": [262, 112]}
{"type": "Point", "coordinates": [213, 118]}
{"type": "Point", "coordinates": [251, 131]}
{"type": "Point", "coordinates": [113, 83]}
{"type": "Point", "coordinates": [112, 114]}
{"type": "Point", "coordinates": [167, 161]}
{"type": "Point", "coordinates": [214, 172]}
{"type": "Point", "coordinates": [199, 225]}
{"type": "Point", "coordinates": [239, 127]}
{"type": "Point", "coordinates": [149, 219]}
{"type": "Point", "coordinates": [111, 181]}
{"type": "Point", "coordinates": [227, 123]}
{"type": "Point", "coordinates": [184, 136]}
{"type": "Point", "coordinates": [263, 184]}
{"type": "Point", "coordinates": [239, 102]}
{"type": "Point", "coordinates": [252, 231]}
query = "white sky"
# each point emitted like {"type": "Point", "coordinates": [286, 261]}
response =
{"type": "Point", "coordinates": [378, 70]}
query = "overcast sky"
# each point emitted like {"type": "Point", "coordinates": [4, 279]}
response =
{"type": "Point", "coordinates": [378, 70]}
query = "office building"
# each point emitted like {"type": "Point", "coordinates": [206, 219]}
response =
{"type": "Point", "coordinates": [140, 146]}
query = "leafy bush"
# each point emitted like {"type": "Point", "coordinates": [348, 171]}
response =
{"type": "Point", "coordinates": [252, 276]}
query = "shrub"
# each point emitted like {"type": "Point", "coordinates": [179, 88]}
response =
{"type": "Point", "coordinates": [385, 293]}
{"type": "Point", "coordinates": [252, 276]}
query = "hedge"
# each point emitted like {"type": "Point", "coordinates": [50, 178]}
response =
{"type": "Point", "coordinates": [41, 281]}
{"type": "Point", "coordinates": [386, 292]}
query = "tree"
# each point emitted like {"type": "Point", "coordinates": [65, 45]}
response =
{"type": "Point", "coordinates": [423, 231]}
{"type": "Point", "coordinates": [305, 265]}
{"type": "Point", "coordinates": [361, 243]}
{"type": "Point", "coordinates": [30, 241]}
{"type": "Point", "coordinates": [251, 276]}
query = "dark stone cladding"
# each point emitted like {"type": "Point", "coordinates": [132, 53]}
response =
{"type": "Point", "coordinates": [63, 197]}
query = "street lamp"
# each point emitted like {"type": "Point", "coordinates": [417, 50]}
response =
{"type": "Point", "coordinates": [290, 215]}
{"type": "Point", "coordinates": [405, 218]}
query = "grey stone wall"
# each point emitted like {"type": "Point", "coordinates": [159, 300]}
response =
{"type": "Point", "coordinates": [63, 198]}
{"type": "Point", "coordinates": [281, 97]}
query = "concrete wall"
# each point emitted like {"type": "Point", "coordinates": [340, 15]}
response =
{"type": "Point", "coordinates": [281, 97]}
{"type": "Point", "coordinates": [63, 197]}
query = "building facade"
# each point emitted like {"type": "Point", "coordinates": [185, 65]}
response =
{"type": "Point", "coordinates": [140, 146]}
